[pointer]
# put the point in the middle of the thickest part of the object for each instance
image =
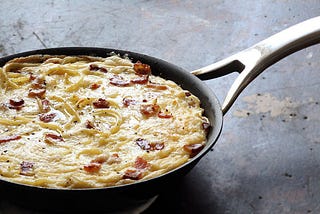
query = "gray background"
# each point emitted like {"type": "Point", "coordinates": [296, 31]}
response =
{"type": "Point", "coordinates": [267, 158]}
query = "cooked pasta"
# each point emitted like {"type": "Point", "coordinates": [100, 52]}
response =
{"type": "Point", "coordinates": [91, 122]}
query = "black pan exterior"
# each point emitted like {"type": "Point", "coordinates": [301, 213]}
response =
{"type": "Point", "coordinates": [119, 198]}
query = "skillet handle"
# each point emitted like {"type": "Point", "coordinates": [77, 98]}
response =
{"type": "Point", "coordinates": [254, 60]}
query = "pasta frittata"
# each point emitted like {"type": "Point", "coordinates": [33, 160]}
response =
{"type": "Point", "coordinates": [90, 122]}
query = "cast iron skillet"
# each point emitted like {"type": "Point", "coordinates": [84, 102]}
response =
{"type": "Point", "coordinates": [249, 63]}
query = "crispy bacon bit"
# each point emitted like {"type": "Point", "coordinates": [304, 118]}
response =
{"type": "Point", "coordinates": [157, 86]}
{"type": "Point", "coordinates": [26, 168]}
{"type": "Point", "coordinates": [114, 158]}
{"type": "Point", "coordinates": [47, 117]}
{"type": "Point", "coordinates": [32, 77]}
{"type": "Point", "coordinates": [36, 93]}
{"type": "Point", "coordinates": [164, 115]}
{"type": "Point", "coordinates": [119, 81]}
{"type": "Point", "coordinates": [38, 88]}
{"type": "Point", "coordinates": [100, 159]}
{"type": "Point", "coordinates": [16, 104]}
{"type": "Point", "coordinates": [45, 105]}
{"type": "Point", "coordinates": [149, 109]}
{"type": "Point", "coordinates": [193, 149]}
{"type": "Point", "coordinates": [94, 67]}
{"type": "Point", "coordinates": [115, 155]}
{"type": "Point", "coordinates": [146, 145]}
{"type": "Point", "coordinates": [132, 174]}
{"type": "Point", "coordinates": [141, 69]}
{"type": "Point", "coordinates": [127, 102]}
{"type": "Point", "coordinates": [188, 94]}
{"type": "Point", "coordinates": [95, 164]}
{"type": "Point", "coordinates": [92, 167]}
{"type": "Point", "coordinates": [142, 79]}
{"type": "Point", "coordinates": [101, 103]}
{"type": "Point", "coordinates": [54, 137]}
{"type": "Point", "coordinates": [89, 124]}
{"type": "Point", "coordinates": [140, 163]}
{"type": "Point", "coordinates": [9, 138]}
{"type": "Point", "coordinates": [104, 70]}
{"type": "Point", "coordinates": [94, 86]}
{"type": "Point", "coordinates": [38, 83]}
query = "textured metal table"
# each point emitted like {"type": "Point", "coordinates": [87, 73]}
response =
{"type": "Point", "coordinates": [267, 158]}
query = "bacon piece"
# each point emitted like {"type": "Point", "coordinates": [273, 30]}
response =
{"type": "Point", "coordinates": [164, 115]}
{"type": "Point", "coordinates": [127, 102]}
{"type": "Point", "coordinates": [45, 105]}
{"type": "Point", "coordinates": [16, 104]}
{"type": "Point", "coordinates": [38, 88]}
{"type": "Point", "coordinates": [26, 168]}
{"type": "Point", "coordinates": [89, 124]}
{"type": "Point", "coordinates": [149, 109]}
{"type": "Point", "coordinates": [94, 67]}
{"type": "Point", "coordinates": [140, 163]}
{"type": "Point", "coordinates": [100, 159]}
{"type": "Point", "coordinates": [101, 103]}
{"type": "Point", "coordinates": [146, 145]}
{"type": "Point", "coordinates": [140, 166]}
{"type": "Point", "coordinates": [36, 93]}
{"type": "Point", "coordinates": [47, 117]}
{"type": "Point", "coordinates": [104, 70]}
{"type": "Point", "coordinates": [188, 94]}
{"type": "Point", "coordinates": [54, 137]}
{"type": "Point", "coordinates": [95, 164]}
{"type": "Point", "coordinates": [132, 174]}
{"type": "Point", "coordinates": [94, 86]}
{"type": "Point", "coordinates": [142, 69]}
{"type": "Point", "coordinates": [32, 77]}
{"type": "Point", "coordinates": [92, 167]}
{"type": "Point", "coordinates": [142, 79]}
{"type": "Point", "coordinates": [38, 83]}
{"type": "Point", "coordinates": [9, 138]}
{"type": "Point", "coordinates": [114, 158]}
{"type": "Point", "coordinates": [157, 86]}
{"type": "Point", "coordinates": [119, 81]}
{"type": "Point", "coordinates": [193, 149]}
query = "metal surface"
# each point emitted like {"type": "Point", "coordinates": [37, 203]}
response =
{"type": "Point", "coordinates": [267, 158]}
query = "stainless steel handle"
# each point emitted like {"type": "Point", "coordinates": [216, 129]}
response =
{"type": "Point", "coordinates": [254, 60]}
